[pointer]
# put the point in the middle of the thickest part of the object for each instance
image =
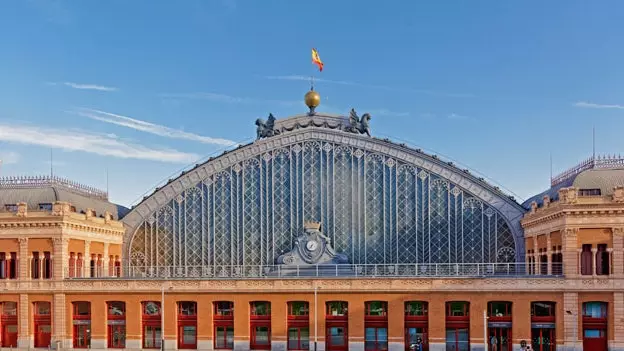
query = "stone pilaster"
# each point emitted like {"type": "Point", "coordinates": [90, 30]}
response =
{"type": "Point", "coordinates": [618, 252]}
{"type": "Point", "coordinates": [86, 264]}
{"type": "Point", "coordinates": [23, 259]}
{"type": "Point", "coordinates": [570, 253]}
{"type": "Point", "coordinates": [594, 267]}
{"type": "Point", "coordinates": [61, 258]}
{"type": "Point", "coordinates": [105, 271]}
{"type": "Point", "coordinates": [617, 344]}
{"type": "Point", "coordinates": [536, 258]}
{"type": "Point", "coordinates": [571, 322]}
{"type": "Point", "coordinates": [24, 340]}
{"type": "Point", "coordinates": [549, 253]}
{"type": "Point", "coordinates": [59, 333]}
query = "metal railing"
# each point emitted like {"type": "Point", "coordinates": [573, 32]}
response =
{"type": "Point", "coordinates": [433, 270]}
{"type": "Point", "coordinates": [594, 162]}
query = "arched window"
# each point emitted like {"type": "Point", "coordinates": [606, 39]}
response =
{"type": "Point", "coordinates": [116, 324]}
{"type": "Point", "coordinates": [298, 325]}
{"type": "Point", "coordinates": [82, 324]}
{"type": "Point", "coordinates": [8, 321]}
{"type": "Point", "coordinates": [337, 326]}
{"type": "Point", "coordinates": [458, 326]}
{"type": "Point", "coordinates": [543, 336]}
{"type": "Point", "coordinates": [223, 320]}
{"type": "Point", "coordinates": [416, 324]}
{"type": "Point", "coordinates": [152, 333]}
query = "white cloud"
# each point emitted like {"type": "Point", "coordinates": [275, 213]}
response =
{"type": "Point", "coordinates": [84, 86]}
{"type": "Point", "coordinates": [9, 157]}
{"type": "Point", "coordinates": [151, 128]}
{"type": "Point", "coordinates": [371, 86]}
{"type": "Point", "coordinates": [386, 112]}
{"type": "Point", "coordinates": [229, 99]}
{"type": "Point", "coordinates": [75, 140]}
{"type": "Point", "coordinates": [592, 105]}
{"type": "Point", "coordinates": [455, 116]}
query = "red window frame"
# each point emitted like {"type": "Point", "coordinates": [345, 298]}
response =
{"type": "Point", "coordinates": [498, 316]}
{"type": "Point", "coordinates": [187, 317]}
{"type": "Point", "coordinates": [257, 321]}
{"type": "Point", "coordinates": [417, 320]}
{"type": "Point", "coordinates": [376, 320]}
{"type": "Point", "coordinates": [460, 321]}
{"type": "Point", "coordinates": [595, 323]}
{"type": "Point", "coordinates": [336, 321]}
{"type": "Point", "coordinates": [81, 325]}
{"type": "Point", "coordinates": [223, 318]}
{"type": "Point", "coordinates": [116, 324]}
{"type": "Point", "coordinates": [42, 324]}
{"type": "Point", "coordinates": [153, 321]}
{"type": "Point", "coordinates": [298, 321]}
{"type": "Point", "coordinates": [8, 320]}
{"type": "Point", "coordinates": [550, 307]}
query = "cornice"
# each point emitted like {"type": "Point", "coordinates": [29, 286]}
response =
{"type": "Point", "coordinates": [62, 225]}
{"type": "Point", "coordinates": [571, 211]}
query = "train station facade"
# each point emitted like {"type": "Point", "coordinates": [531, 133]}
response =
{"type": "Point", "coordinates": [316, 236]}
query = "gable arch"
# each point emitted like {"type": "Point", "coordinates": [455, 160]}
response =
{"type": "Point", "coordinates": [378, 202]}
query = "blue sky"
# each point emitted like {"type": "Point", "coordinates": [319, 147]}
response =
{"type": "Point", "coordinates": [496, 86]}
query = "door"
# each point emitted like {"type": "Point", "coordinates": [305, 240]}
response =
{"type": "Point", "coordinates": [9, 335]}
{"type": "Point", "coordinates": [336, 338]}
{"type": "Point", "coordinates": [187, 337]}
{"type": "Point", "coordinates": [82, 336]}
{"type": "Point", "coordinates": [43, 333]}
{"type": "Point", "coordinates": [499, 339]}
{"type": "Point", "coordinates": [543, 339]}
{"type": "Point", "coordinates": [595, 339]}
{"type": "Point", "coordinates": [117, 336]}
{"type": "Point", "coordinates": [413, 336]}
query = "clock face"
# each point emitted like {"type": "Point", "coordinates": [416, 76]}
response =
{"type": "Point", "coordinates": [311, 245]}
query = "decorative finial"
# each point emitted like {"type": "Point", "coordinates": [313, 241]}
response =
{"type": "Point", "coordinates": [312, 100]}
{"type": "Point", "coordinates": [312, 225]}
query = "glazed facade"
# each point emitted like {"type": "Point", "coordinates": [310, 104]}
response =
{"type": "Point", "coordinates": [318, 238]}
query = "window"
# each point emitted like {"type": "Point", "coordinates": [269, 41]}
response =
{"type": "Point", "coordinates": [36, 262]}
{"type": "Point", "coordinates": [92, 270]}
{"type": "Point", "coordinates": [45, 207]}
{"type": "Point", "coordinates": [116, 324]}
{"type": "Point", "coordinates": [416, 325]}
{"type": "Point", "coordinates": [376, 326]}
{"type": "Point", "coordinates": [586, 260]}
{"type": "Point", "coordinates": [187, 325]}
{"type": "Point", "coordinates": [223, 320]}
{"type": "Point", "coordinates": [260, 324]}
{"type": "Point", "coordinates": [10, 207]}
{"type": "Point", "coordinates": [47, 265]}
{"type": "Point", "coordinates": [458, 326]}
{"type": "Point", "coordinates": [8, 323]}
{"type": "Point", "coordinates": [543, 336]}
{"type": "Point", "coordinates": [499, 309]}
{"type": "Point", "coordinates": [152, 337]}
{"type": "Point", "coordinates": [298, 325]}
{"type": "Point", "coordinates": [595, 310]}
{"type": "Point", "coordinates": [82, 325]}
{"type": "Point", "coordinates": [42, 324]}
{"type": "Point", "coordinates": [336, 324]}
{"type": "Point", "coordinates": [602, 260]}
{"type": "Point", "coordinates": [589, 192]}
{"type": "Point", "coordinates": [595, 324]}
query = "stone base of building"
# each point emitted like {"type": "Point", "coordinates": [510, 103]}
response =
{"type": "Point", "coordinates": [616, 346]}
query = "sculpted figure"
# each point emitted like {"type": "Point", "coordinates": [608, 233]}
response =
{"type": "Point", "coordinates": [266, 129]}
{"type": "Point", "coordinates": [359, 125]}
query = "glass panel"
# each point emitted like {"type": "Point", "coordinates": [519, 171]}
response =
{"type": "Point", "coordinates": [188, 308]}
{"type": "Point", "coordinates": [43, 308]}
{"type": "Point", "coordinates": [595, 309]}
{"type": "Point", "coordinates": [230, 337]}
{"type": "Point", "coordinates": [82, 308]}
{"type": "Point", "coordinates": [9, 308]}
{"type": "Point", "coordinates": [262, 336]}
{"type": "Point", "coordinates": [293, 338]}
{"type": "Point", "coordinates": [11, 328]}
{"type": "Point", "coordinates": [382, 338]}
{"type": "Point", "coordinates": [189, 335]}
{"type": "Point", "coordinates": [299, 309]}
{"type": "Point", "coordinates": [415, 308]}
{"type": "Point", "coordinates": [305, 338]}
{"type": "Point", "coordinates": [543, 309]}
{"type": "Point", "coordinates": [500, 309]}
{"type": "Point", "coordinates": [463, 339]}
{"type": "Point", "coordinates": [337, 336]}
{"type": "Point", "coordinates": [593, 333]}
{"type": "Point", "coordinates": [45, 328]}
{"type": "Point", "coordinates": [220, 340]}
{"type": "Point", "coordinates": [224, 308]}
{"type": "Point", "coordinates": [458, 309]}
{"type": "Point", "coordinates": [337, 308]}
{"type": "Point", "coordinates": [116, 308]}
{"type": "Point", "coordinates": [151, 308]}
{"type": "Point", "coordinates": [376, 308]}
{"type": "Point", "coordinates": [261, 308]}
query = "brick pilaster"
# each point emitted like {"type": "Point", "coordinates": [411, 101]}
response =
{"type": "Point", "coordinates": [571, 320]}
{"type": "Point", "coordinates": [60, 334]}
{"type": "Point", "coordinates": [24, 335]}
{"type": "Point", "coordinates": [23, 259]}
{"type": "Point", "coordinates": [61, 258]}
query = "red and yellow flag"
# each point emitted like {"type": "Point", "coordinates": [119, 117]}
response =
{"type": "Point", "coordinates": [316, 59]}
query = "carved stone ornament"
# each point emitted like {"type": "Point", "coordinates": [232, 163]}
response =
{"type": "Point", "coordinates": [568, 195]}
{"type": "Point", "coordinates": [312, 248]}
{"type": "Point", "coordinates": [22, 209]}
{"type": "Point", "coordinates": [61, 208]}
{"type": "Point", "coordinates": [533, 206]}
{"type": "Point", "coordinates": [618, 194]}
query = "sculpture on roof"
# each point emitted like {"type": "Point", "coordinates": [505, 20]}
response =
{"type": "Point", "coordinates": [359, 125]}
{"type": "Point", "coordinates": [266, 129]}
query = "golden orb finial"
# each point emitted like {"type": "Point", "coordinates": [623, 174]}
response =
{"type": "Point", "coordinates": [312, 100]}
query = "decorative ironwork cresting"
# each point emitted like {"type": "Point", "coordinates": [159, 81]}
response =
{"type": "Point", "coordinates": [42, 181]}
